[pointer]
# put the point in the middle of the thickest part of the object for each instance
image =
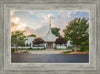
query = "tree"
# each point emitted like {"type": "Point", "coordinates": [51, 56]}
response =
{"type": "Point", "coordinates": [30, 44]}
{"type": "Point", "coordinates": [55, 31]}
{"type": "Point", "coordinates": [32, 35]}
{"type": "Point", "coordinates": [85, 43]}
{"type": "Point", "coordinates": [60, 41]}
{"type": "Point", "coordinates": [77, 31]}
{"type": "Point", "coordinates": [18, 39]}
{"type": "Point", "coordinates": [38, 41]}
{"type": "Point", "coordinates": [27, 44]}
{"type": "Point", "coordinates": [22, 44]}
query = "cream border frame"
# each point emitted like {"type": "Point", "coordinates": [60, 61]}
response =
{"type": "Point", "coordinates": [50, 66]}
{"type": "Point", "coordinates": [96, 70]}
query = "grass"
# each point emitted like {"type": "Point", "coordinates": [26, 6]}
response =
{"type": "Point", "coordinates": [79, 50]}
{"type": "Point", "coordinates": [60, 49]}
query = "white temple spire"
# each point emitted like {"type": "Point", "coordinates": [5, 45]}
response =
{"type": "Point", "coordinates": [49, 37]}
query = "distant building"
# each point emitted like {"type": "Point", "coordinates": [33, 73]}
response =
{"type": "Point", "coordinates": [49, 40]}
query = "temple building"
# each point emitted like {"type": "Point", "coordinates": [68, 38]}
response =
{"type": "Point", "coordinates": [49, 39]}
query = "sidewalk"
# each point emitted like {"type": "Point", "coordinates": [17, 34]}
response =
{"type": "Point", "coordinates": [47, 51]}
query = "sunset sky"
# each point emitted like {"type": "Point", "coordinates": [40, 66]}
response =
{"type": "Point", "coordinates": [37, 22]}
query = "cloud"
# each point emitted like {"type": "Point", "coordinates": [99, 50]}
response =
{"type": "Point", "coordinates": [46, 17]}
{"type": "Point", "coordinates": [31, 12]}
{"type": "Point", "coordinates": [12, 13]}
{"type": "Point", "coordinates": [15, 20]}
{"type": "Point", "coordinates": [49, 15]}
{"type": "Point", "coordinates": [74, 12]}
{"type": "Point", "coordinates": [53, 25]}
{"type": "Point", "coordinates": [61, 20]}
{"type": "Point", "coordinates": [39, 21]}
{"type": "Point", "coordinates": [42, 30]}
{"type": "Point", "coordinates": [28, 30]}
{"type": "Point", "coordinates": [69, 14]}
{"type": "Point", "coordinates": [16, 24]}
{"type": "Point", "coordinates": [22, 27]}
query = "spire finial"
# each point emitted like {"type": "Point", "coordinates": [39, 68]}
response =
{"type": "Point", "coordinates": [49, 22]}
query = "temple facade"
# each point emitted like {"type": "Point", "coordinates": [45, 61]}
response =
{"type": "Point", "coordinates": [49, 40]}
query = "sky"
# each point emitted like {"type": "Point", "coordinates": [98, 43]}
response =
{"type": "Point", "coordinates": [37, 22]}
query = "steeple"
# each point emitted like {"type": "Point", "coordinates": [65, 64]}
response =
{"type": "Point", "coordinates": [49, 32]}
{"type": "Point", "coordinates": [50, 22]}
{"type": "Point", "coordinates": [49, 37]}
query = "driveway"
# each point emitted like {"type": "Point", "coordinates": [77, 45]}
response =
{"type": "Point", "coordinates": [49, 58]}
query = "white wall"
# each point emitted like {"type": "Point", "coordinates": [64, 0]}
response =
{"type": "Point", "coordinates": [29, 40]}
{"type": "Point", "coordinates": [68, 44]}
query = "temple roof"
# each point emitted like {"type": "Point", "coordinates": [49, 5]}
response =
{"type": "Point", "coordinates": [49, 37]}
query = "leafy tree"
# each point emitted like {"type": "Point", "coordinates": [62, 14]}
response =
{"type": "Point", "coordinates": [85, 43]}
{"type": "Point", "coordinates": [32, 35]}
{"type": "Point", "coordinates": [55, 31]}
{"type": "Point", "coordinates": [18, 39]}
{"type": "Point", "coordinates": [38, 41]}
{"type": "Point", "coordinates": [77, 31]}
{"type": "Point", "coordinates": [60, 41]}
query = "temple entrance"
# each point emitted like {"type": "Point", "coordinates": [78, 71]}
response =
{"type": "Point", "coordinates": [49, 45]}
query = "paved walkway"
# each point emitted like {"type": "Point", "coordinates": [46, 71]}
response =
{"type": "Point", "coordinates": [47, 51]}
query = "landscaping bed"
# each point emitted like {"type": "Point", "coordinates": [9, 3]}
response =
{"type": "Point", "coordinates": [75, 52]}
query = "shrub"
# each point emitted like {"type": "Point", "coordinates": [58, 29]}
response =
{"type": "Point", "coordinates": [55, 47]}
{"type": "Point", "coordinates": [84, 48]}
{"type": "Point", "coordinates": [69, 47]}
{"type": "Point", "coordinates": [44, 47]}
{"type": "Point", "coordinates": [38, 48]}
{"type": "Point", "coordinates": [29, 48]}
{"type": "Point", "coordinates": [25, 52]}
{"type": "Point", "coordinates": [72, 50]}
{"type": "Point", "coordinates": [34, 49]}
{"type": "Point", "coordinates": [67, 51]}
{"type": "Point", "coordinates": [12, 50]}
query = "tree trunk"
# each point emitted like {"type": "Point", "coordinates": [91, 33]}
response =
{"type": "Point", "coordinates": [75, 48]}
{"type": "Point", "coordinates": [16, 48]}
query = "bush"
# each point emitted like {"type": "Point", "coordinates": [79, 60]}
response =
{"type": "Point", "coordinates": [72, 50]}
{"type": "Point", "coordinates": [69, 47]}
{"type": "Point", "coordinates": [55, 47]}
{"type": "Point", "coordinates": [38, 48]}
{"type": "Point", "coordinates": [84, 48]}
{"type": "Point", "coordinates": [34, 49]}
{"type": "Point", "coordinates": [25, 52]}
{"type": "Point", "coordinates": [67, 51]}
{"type": "Point", "coordinates": [44, 47]}
{"type": "Point", "coordinates": [21, 49]}
{"type": "Point", "coordinates": [29, 48]}
{"type": "Point", "coordinates": [12, 50]}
